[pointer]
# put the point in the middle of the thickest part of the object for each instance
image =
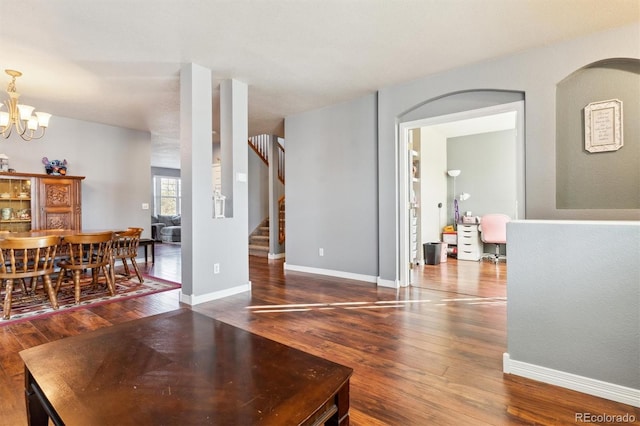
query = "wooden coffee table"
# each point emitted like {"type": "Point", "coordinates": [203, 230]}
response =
{"type": "Point", "coordinates": [182, 368]}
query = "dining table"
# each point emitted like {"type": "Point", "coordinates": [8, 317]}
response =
{"type": "Point", "coordinates": [60, 232]}
{"type": "Point", "coordinates": [47, 232]}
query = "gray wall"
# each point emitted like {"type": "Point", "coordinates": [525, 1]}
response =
{"type": "Point", "coordinates": [532, 75]}
{"type": "Point", "coordinates": [535, 73]}
{"type": "Point", "coordinates": [114, 161]}
{"type": "Point", "coordinates": [574, 298]}
{"type": "Point", "coordinates": [163, 171]}
{"type": "Point", "coordinates": [606, 180]}
{"type": "Point", "coordinates": [258, 186]}
{"type": "Point", "coordinates": [331, 188]}
{"type": "Point", "coordinates": [488, 166]}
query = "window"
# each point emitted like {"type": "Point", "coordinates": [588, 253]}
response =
{"type": "Point", "coordinates": [166, 194]}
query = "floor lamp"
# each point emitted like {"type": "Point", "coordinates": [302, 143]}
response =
{"type": "Point", "coordinates": [456, 214]}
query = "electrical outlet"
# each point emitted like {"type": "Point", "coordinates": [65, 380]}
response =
{"type": "Point", "coordinates": [320, 251]}
{"type": "Point", "coordinates": [216, 268]}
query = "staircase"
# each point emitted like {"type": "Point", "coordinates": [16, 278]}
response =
{"type": "Point", "coordinates": [260, 145]}
{"type": "Point", "coordinates": [259, 240]}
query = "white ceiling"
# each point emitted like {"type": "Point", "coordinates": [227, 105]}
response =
{"type": "Point", "coordinates": [476, 125]}
{"type": "Point", "coordinates": [117, 62]}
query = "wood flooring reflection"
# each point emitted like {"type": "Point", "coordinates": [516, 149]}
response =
{"type": "Point", "coordinates": [430, 354]}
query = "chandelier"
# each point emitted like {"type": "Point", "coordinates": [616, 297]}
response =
{"type": "Point", "coordinates": [19, 117]}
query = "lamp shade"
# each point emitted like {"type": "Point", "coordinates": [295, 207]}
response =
{"type": "Point", "coordinates": [43, 118]}
{"type": "Point", "coordinates": [453, 173]}
{"type": "Point", "coordinates": [25, 111]}
{"type": "Point", "coordinates": [4, 119]}
{"type": "Point", "coordinates": [32, 123]}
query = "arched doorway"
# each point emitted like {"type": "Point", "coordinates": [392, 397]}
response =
{"type": "Point", "coordinates": [497, 104]}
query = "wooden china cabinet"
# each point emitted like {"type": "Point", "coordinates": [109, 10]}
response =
{"type": "Point", "coordinates": [40, 201]}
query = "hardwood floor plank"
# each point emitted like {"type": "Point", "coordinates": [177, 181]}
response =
{"type": "Point", "coordinates": [430, 354]}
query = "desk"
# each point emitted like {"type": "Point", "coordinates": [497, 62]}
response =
{"type": "Point", "coordinates": [183, 368]}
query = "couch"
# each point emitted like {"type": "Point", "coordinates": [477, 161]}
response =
{"type": "Point", "coordinates": [166, 228]}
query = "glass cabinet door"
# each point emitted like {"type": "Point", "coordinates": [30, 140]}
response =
{"type": "Point", "coordinates": [15, 204]}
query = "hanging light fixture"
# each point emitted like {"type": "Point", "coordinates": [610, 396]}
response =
{"type": "Point", "coordinates": [19, 117]}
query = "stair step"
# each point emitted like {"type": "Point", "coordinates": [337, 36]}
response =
{"type": "Point", "coordinates": [261, 251]}
{"type": "Point", "coordinates": [259, 240]}
{"type": "Point", "coordinates": [256, 241]}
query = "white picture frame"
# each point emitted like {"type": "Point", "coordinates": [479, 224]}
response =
{"type": "Point", "coordinates": [603, 126]}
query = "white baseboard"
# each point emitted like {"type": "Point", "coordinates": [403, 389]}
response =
{"type": "Point", "coordinates": [388, 283]}
{"type": "Point", "coordinates": [571, 381]}
{"type": "Point", "coordinates": [273, 256]}
{"type": "Point", "coordinates": [330, 272]}
{"type": "Point", "coordinates": [192, 300]}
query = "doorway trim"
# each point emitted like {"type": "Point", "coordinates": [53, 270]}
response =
{"type": "Point", "coordinates": [403, 129]}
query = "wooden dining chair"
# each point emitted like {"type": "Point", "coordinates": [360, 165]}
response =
{"type": "Point", "coordinates": [87, 251]}
{"type": "Point", "coordinates": [27, 258]}
{"type": "Point", "coordinates": [125, 246]}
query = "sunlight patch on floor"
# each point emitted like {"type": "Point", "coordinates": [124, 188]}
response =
{"type": "Point", "coordinates": [380, 304]}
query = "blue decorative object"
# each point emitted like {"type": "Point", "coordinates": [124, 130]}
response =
{"type": "Point", "coordinates": [55, 167]}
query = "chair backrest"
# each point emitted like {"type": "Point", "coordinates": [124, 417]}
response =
{"type": "Point", "coordinates": [89, 250]}
{"type": "Point", "coordinates": [125, 243]}
{"type": "Point", "coordinates": [493, 228]}
{"type": "Point", "coordinates": [27, 256]}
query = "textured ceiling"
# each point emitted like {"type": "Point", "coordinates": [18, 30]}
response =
{"type": "Point", "coordinates": [117, 62]}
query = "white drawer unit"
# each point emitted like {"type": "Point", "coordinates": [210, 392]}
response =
{"type": "Point", "coordinates": [469, 243]}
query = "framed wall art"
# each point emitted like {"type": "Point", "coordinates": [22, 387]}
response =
{"type": "Point", "coordinates": [603, 126]}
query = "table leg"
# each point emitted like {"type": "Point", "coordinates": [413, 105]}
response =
{"type": "Point", "coordinates": [342, 401]}
{"type": "Point", "coordinates": [36, 412]}
{"type": "Point", "coordinates": [146, 243]}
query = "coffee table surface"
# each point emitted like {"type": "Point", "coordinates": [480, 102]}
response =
{"type": "Point", "coordinates": [181, 367]}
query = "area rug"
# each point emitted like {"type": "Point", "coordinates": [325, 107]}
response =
{"type": "Point", "coordinates": [38, 305]}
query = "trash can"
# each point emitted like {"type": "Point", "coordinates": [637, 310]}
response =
{"type": "Point", "coordinates": [432, 253]}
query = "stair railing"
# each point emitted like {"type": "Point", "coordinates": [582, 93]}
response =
{"type": "Point", "coordinates": [260, 145]}
{"type": "Point", "coordinates": [280, 162]}
{"type": "Point", "coordinates": [281, 221]}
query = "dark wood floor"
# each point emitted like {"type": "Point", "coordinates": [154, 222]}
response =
{"type": "Point", "coordinates": [430, 354]}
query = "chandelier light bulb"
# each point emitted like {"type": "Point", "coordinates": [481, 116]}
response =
{"type": "Point", "coordinates": [43, 118]}
{"type": "Point", "coordinates": [20, 117]}
{"type": "Point", "coordinates": [32, 123]}
{"type": "Point", "coordinates": [4, 119]}
{"type": "Point", "coordinates": [25, 112]}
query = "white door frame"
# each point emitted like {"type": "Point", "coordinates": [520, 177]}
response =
{"type": "Point", "coordinates": [403, 170]}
